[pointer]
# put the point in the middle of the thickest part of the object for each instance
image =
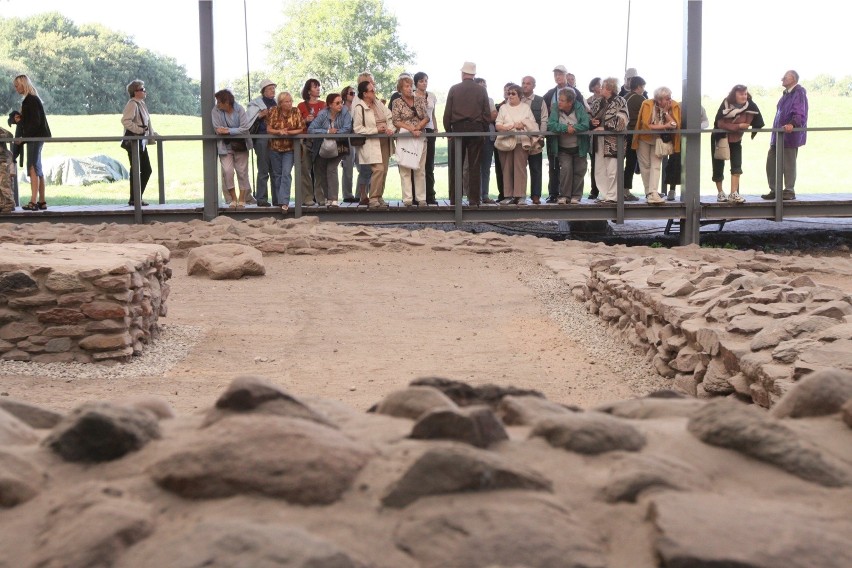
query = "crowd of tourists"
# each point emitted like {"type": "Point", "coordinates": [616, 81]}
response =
{"type": "Point", "coordinates": [576, 133]}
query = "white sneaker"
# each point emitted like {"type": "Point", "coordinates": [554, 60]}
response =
{"type": "Point", "coordinates": [562, 201]}
{"type": "Point", "coordinates": [722, 198]}
{"type": "Point", "coordinates": [333, 204]}
{"type": "Point", "coordinates": [654, 198]}
{"type": "Point", "coordinates": [736, 198]}
{"type": "Point", "coordinates": [408, 202]}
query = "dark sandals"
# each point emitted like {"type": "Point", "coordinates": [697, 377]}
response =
{"type": "Point", "coordinates": [40, 206]}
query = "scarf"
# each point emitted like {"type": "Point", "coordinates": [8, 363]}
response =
{"type": "Point", "coordinates": [614, 113]}
{"type": "Point", "coordinates": [729, 111]}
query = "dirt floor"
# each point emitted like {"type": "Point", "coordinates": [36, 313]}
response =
{"type": "Point", "coordinates": [354, 327]}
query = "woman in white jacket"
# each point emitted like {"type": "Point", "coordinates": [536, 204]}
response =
{"type": "Point", "coordinates": [515, 116]}
{"type": "Point", "coordinates": [370, 116]}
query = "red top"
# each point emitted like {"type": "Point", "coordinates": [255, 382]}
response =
{"type": "Point", "coordinates": [305, 110]}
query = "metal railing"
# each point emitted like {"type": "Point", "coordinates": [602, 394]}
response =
{"type": "Point", "coordinates": [689, 207]}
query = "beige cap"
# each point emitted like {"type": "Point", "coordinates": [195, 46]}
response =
{"type": "Point", "coordinates": [265, 83]}
{"type": "Point", "coordinates": [560, 68]}
{"type": "Point", "coordinates": [469, 68]}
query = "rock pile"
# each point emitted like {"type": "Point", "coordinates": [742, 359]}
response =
{"type": "Point", "coordinates": [439, 474]}
{"type": "Point", "coordinates": [722, 330]}
{"type": "Point", "coordinates": [83, 303]}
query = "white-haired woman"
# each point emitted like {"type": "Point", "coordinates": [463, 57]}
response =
{"type": "Point", "coordinates": [33, 123]}
{"type": "Point", "coordinates": [608, 113]}
{"type": "Point", "coordinates": [662, 115]}
{"type": "Point", "coordinates": [137, 121]}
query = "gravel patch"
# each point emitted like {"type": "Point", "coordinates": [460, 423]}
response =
{"type": "Point", "coordinates": [605, 345]}
{"type": "Point", "coordinates": [159, 357]}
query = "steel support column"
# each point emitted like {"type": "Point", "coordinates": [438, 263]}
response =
{"type": "Point", "coordinates": [208, 87]}
{"type": "Point", "coordinates": [691, 143]}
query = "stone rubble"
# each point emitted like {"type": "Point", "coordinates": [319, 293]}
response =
{"type": "Point", "coordinates": [645, 483]}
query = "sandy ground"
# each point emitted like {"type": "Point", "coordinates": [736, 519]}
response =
{"type": "Point", "coordinates": [354, 327]}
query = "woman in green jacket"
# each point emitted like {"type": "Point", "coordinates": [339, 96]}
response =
{"type": "Point", "coordinates": [569, 122]}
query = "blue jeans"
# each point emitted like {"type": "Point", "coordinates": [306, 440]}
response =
{"type": "Point", "coordinates": [261, 154]}
{"type": "Point", "coordinates": [282, 176]}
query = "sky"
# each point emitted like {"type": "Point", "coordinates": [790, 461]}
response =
{"type": "Point", "coordinates": [744, 41]}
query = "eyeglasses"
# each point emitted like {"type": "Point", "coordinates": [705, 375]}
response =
{"type": "Point", "coordinates": [142, 89]}
{"type": "Point", "coordinates": [337, 102]}
{"type": "Point", "coordinates": [513, 94]}
{"type": "Point", "coordinates": [350, 94]}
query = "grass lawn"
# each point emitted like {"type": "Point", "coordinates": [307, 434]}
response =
{"type": "Point", "coordinates": [820, 164]}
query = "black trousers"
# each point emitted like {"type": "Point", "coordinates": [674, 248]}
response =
{"type": "Point", "coordinates": [472, 148]}
{"type": "Point", "coordinates": [144, 170]}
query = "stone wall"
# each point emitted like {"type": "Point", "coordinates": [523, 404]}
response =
{"type": "Point", "coordinates": [80, 302]}
{"type": "Point", "coordinates": [718, 330]}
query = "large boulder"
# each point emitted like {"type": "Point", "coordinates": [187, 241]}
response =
{"type": "Point", "coordinates": [100, 431]}
{"type": "Point", "coordinates": [225, 262]}
{"type": "Point", "coordinates": [457, 468]}
{"type": "Point", "coordinates": [228, 543]}
{"type": "Point", "coordinates": [476, 425]}
{"type": "Point", "coordinates": [707, 529]}
{"type": "Point", "coordinates": [413, 402]}
{"type": "Point", "coordinates": [20, 480]}
{"type": "Point", "coordinates": [744, 429]}
{"type": "Point", "coordinates": [288, 458]}
{"type": "Point", "coordinates": [819, 394]}
{"type": "Point", "coordinates": [589, 433]}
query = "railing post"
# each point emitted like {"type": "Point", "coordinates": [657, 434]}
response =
{"type": "Point", "coordinates": [779, 176]}
{"type": "Point", "coordinates": [619, 178]}
{"type": "Point", "coordinates": [458, 170]}
{"type": "Point", "coordinates": [208, 87]}
{"type": "Point", "coordinates": [690, 226]}
{"type": "Point", "coordinates": [297, 177]}
{"type": "Point", "coordinates": [161, 174]}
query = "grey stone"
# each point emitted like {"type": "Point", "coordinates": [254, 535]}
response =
{"type": "Point", "coordinates": [788, 351]}
{"type": "Point", "coordinates": [32, 415]}
{"type": "Point", "coordinates": [225, 261]}
{"type": "Point", "coordinates": [686, 361]}
{"type": "Point", "coordinates": [477, 426]}
{"type": "Point", "coordinates": [789, 328]}
{"type": "Point", "coordinates": [288, 458]}
{"type": "Point", "coordinates": [846, 413]}
{"type": "Point", "coordinates": [838, 309]}
{"type": "Point", "coordinates": [840, 331]}
{"type": "Point", "coordinates": [456, 468]}
{"type": "Point", "coordinates": [255, 394]}
{"type": "Point", "coordinates": [17, 283]}
{"type": "Point", "coordinates": [819, 394]}
{"type": "Point", "coordinates": [99, 431]}
{"type": "Point", "coordinates": [776, 310]}
{"type": "Point", "coordinates": [589, 433]}
{"type": "Point", "coordinates": [527, 410]}
{"type": "Point", "coordinates": [413, 402]}
{"type": "Point", "coordinates": [63, 282]}
{"type": "Point", "coordinates": [735, 426]}
{"type": "Point", "coordinates": [686, 383]}
{"type": "Point", "coordinates": [677, 287]}
{"type": "Point", "coordinates": [238, 543]}
{"type": "Point", "coordinates": [519, 530]}
{"type": "Point", "coordinates": [649, 408]}
{"type": "Point", "coordinates": [747, 324]}
{"type": "Point", "coordinates": [20, 480]}
{"type": "Point", "coordinates": [703, 530]}
{"type": "Point", "coordinates": [837, 354]}
{"type": "Point", "coordinates": [93, 527]}
{"type": "Point", "coordinates": [802, 281]}
{"type": "Point", "coordinates": [716, 379]}
{"type": "Point", "coordinates": [14, 431]}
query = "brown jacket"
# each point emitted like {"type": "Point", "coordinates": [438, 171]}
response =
{"type": "Point", "coordinates": [467, 108]}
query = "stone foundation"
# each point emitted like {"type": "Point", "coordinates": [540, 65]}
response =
{"type": "Point", "coordinates": [81, 302]}
{"type": "Point", "coordinates": [715, 330]}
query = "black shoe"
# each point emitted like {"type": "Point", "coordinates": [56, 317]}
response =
{"type": "Point", "coordinates": [594, 194]}
{"type": "Point", "coordinates": [263, 203]}
{"type": "Point", "coordinates": [350, 200]}
{"type": "Point", "coordinates": [552, 199]}
{"type": "Point", "coordinates": [131, 204]}
{"type": "Point", "coordinates": [630, 197]}
{"type": "Point", "coordinates": [770, 195]}
{"type": "Point", "coordinates": [431, 202]}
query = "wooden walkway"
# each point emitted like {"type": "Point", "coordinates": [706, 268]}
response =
{"type": "Point", "coordinates": [811, 205]}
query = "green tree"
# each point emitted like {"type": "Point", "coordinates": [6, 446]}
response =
{"type": "Point", "coordinates": [335, 40]}
{"type": "Point", "coordinates": [85, 69]}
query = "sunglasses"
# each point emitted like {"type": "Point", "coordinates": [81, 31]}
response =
{"type": "Point", "coordinates": [142, 89]}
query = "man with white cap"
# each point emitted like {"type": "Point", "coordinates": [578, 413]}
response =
{"type": "Point", "coordinates": [256, 113]}
{"type": "Point", "coordinates": [467, 110]}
